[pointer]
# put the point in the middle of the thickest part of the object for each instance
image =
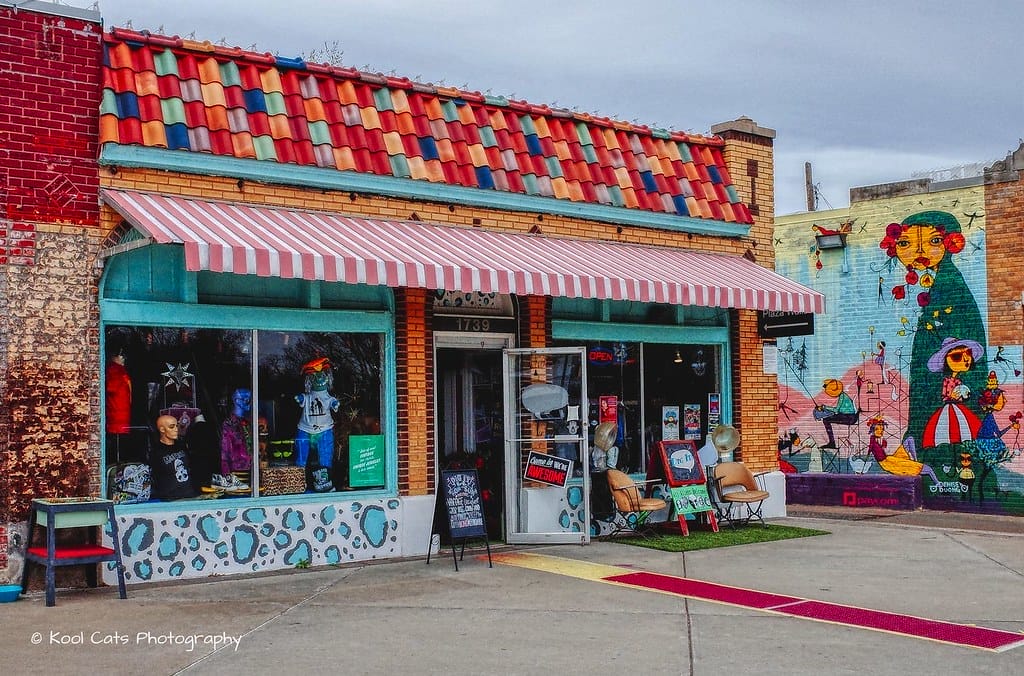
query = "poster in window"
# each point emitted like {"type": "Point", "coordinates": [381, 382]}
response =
{"type": "Point", "coordinates": [548, 469]}
{"type": "Point", "coordinates": [669, 422]}
{"type": "Point", "coordinates": [609, 409]}
{"type": "Point", "coordinates": [714, 409]}
{"type": "Point", "coordinates": [691, 421]}
{"type": "Point", "coordinates": [365, 460]}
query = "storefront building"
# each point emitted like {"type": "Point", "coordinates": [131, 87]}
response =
{"type": "Point", "coordinates": [331, 285]}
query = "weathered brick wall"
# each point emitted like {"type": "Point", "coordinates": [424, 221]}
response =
{"type": "Point", "coordinates": [49, 95]}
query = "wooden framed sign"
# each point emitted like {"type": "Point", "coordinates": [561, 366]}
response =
{"type": "Point", "coordinates": [679, 458]}
{"type": "Point", "coordinates": [687, 483]}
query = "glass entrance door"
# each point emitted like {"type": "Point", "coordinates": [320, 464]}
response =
{"type": "Point", "coordinates": [470, 406]}
{"type": "Point", "coordinates": [547, 461]}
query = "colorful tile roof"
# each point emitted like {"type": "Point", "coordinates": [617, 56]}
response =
{"type": "Point", "coordinates": [167, 92]}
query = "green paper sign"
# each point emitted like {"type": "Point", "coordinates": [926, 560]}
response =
{"type": "Point", "coordinates": [691, 499]}
{"type": "Point", "coordinates": [365, 460]}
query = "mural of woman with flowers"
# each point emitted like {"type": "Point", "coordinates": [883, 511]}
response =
{"type": "Point", "coordinates": [924, 243]}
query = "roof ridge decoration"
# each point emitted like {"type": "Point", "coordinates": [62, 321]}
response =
{"type": "Point", "coordinates": [168, 92]}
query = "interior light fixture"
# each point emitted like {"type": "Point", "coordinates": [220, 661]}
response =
{"type": "Point", "coordinates": [699, 366]}
{"type": "Point", "coordinates": [678, 359]}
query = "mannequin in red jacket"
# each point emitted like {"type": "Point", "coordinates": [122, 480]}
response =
{"type": "Point", "coordinates": [119, 396]}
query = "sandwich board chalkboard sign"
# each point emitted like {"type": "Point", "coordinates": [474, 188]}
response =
{"type": "Point", "coordinates": [687, 484]}
{"type": "Point", "coordinates": [460, 491]}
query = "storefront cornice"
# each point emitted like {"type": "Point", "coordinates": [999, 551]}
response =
{"type": "Point", "coordinates": [314, 177]}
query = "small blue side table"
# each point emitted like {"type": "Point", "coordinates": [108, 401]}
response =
{"type": "Point", "coordinates": [55, 513]}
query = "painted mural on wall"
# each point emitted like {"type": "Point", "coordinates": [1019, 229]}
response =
{"type": "Point", "coordinates": [196, 543]}
{"type": "Point", "coordinates": [899, 378]}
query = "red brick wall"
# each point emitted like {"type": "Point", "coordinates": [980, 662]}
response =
{"type": "Point", "coordinates": [49, 102]}
{"type": "Point", "coordinates": [49, 97]}
{"type": "Point", "coordinates": [415, 351]}
{"type": "Point", "coordinates": [1004, 239]}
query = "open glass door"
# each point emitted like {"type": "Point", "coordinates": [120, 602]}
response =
{"type": "Point", "coordinates": [547, 461]}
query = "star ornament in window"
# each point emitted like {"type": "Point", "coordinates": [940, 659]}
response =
{"type": "Point", "coordinates": [178, 376]}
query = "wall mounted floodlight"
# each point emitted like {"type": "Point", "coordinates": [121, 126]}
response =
{"type": "Point", "coordinates": [831, 241]}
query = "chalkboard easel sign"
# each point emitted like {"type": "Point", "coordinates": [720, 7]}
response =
{"type": "Point", "coordinates": [460, 490]}
{"type": "Point", "coordinates": [687, 484]}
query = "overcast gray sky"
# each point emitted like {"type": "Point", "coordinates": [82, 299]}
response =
{"type": "Point", "coordinates": [867, 92]}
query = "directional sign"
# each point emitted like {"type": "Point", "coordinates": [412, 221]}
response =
{"type": "Point", "coordinates": [772, 324]}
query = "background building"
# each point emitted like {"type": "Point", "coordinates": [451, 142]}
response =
{"type": "Point", "coordinates": [883, 339]}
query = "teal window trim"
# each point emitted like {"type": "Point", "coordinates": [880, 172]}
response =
{"type": "Point", "coordinates": [146, 313]}
{"type": "Point", "coordinates": [646, 333]}
{"type": "Point", "coordinates": [143, 313]}
{"type": "Point", "coordinates": [565, 329]}
{"type": "Point", "coordinates": [264, 171]}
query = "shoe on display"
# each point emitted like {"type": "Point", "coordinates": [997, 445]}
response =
{"type": "Point", "coordinates": [229, 482]}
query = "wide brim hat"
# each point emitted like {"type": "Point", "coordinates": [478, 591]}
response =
{"type": "Point", "coordinates": [725, 438]}
{"type": "Point", "coordinates": [937, 362]}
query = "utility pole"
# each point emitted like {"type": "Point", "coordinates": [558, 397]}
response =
{"type": "Point", "coordinates": [812, 202]}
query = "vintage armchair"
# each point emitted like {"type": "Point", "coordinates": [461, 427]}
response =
{"type": "Point", "coordinates": [633, 510]}
{"type": "Point", "coordinates": [732, 483]}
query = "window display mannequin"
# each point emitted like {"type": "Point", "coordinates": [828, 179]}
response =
{"type": "Point", "coordinates": [119, 395]}
{"type": "Point", "coordinates": [169, 463]}
{"type": "Point", "coordinates": [316, 426]}
{"type": "Point", "coordinates": [236, 435]}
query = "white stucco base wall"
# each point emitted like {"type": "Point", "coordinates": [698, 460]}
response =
{"type": "Point", "coordinates": [775, 505]}
{"type": "Point", "coordinates": [225, 537]}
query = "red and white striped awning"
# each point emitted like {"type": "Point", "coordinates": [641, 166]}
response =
{"type": "Point", "coordinates": [281, 242]}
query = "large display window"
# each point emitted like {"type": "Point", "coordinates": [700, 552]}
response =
{"type": "Point", "coordinates": [642, 393]}
{"type": "Point", "coordinates": [194, 413]}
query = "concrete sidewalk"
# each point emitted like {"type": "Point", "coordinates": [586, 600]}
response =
{"type": "Point", "coordinates": [407, 617]}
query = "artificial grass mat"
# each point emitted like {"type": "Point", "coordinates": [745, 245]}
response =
{"type": "Point", "coordinates": [727, 536]}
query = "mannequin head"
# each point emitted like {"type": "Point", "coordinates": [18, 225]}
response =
{"type": "Point", "coordinates": [167, 427]}
{"type": "Point", "coordinates": [242, 400]}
